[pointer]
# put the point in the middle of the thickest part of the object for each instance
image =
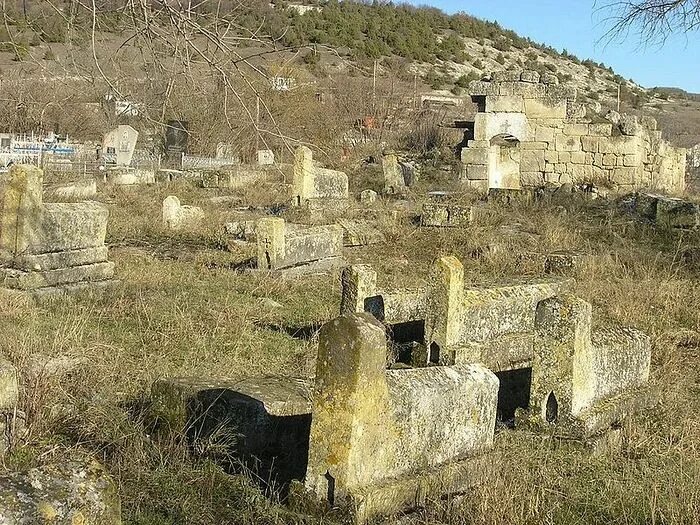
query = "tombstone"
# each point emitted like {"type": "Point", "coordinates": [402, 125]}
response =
{"type": "Point", "coordinates": [394, 182]}
{"type": "Point", "coordinates": [368, 197]}
{"type": "Point", "coordinates": [266, 157]}
{"type": "Point", "coordinates": [176, 142]}
{"type": "Point", "coordinates": [178, 217]}
{"type": "Point", "coordinates": [48, 248]}
{"type": "Point", "coordinates": [118, 145]}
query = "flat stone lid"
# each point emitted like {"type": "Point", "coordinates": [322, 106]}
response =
{"type": "Point", "coordinates": [281, 396]}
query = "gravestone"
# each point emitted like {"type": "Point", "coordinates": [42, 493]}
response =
{"type": "Point", "coordinates": [118, 145]}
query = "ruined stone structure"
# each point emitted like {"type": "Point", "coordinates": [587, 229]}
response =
{"type": "Point", "coordinates": [296, 249]}
{"type": "Point", "coordinates": [378, 438]}
{"type": "Point", "coordinates": [374, 446]}
{"type": "Point", "coordinates": [509, 328]}
{"type": "Point", "coordinates": [317, 187]}
{"type": "Point", "coordinates": [530, 131]}
{"type": "Point", "coordinates": [178, 217]}
{"type": "Point", "coordinates": [50, 247]}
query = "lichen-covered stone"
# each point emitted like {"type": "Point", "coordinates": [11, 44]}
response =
{"type": "Point", "coordinates": [49, 245]}
{"type": "Point", "coordinates": [373, 427]}
{"type": "Point", "coordinates": [439, 214]}
{"type": "Point", "coordinates": [61, 494]}
{"type": "Point", "coordinates": [394, 182]}
{"type": "Point", "coordinates": [281, 246]}
{"type": "Point", "coordinates": [585, 380]}
{"type": "Point", "coordinates": [177, 217]}
{"type": "Point", "coordinates": [317, 187]}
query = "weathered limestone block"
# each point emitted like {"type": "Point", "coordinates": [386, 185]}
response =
{"type": "Point", "coordinates": [602, 129]}
{"type": "Point", "coordinates": [489, 125]}
{"type": "Point", "coordinates": [360, 294]}
{"type": "Point", "coordinates": [359, 282]}
{"type": "Point", "coordinates": [317, 187]}
{"type": "Point", "coordinates": [49, 245]}
{"type": "Point", "coordinates": [567, 143]}
{"type": "Point", "coordinates": [489, 313]}
{"type": "Point", "coordinates": [532, 160]}
{"type": "Point", "coordinates": [505, 104]}
{"type": "Point", "coordinates": [474, 155]}
{"type": "Point", "coordinates": [542, 108]}
{"type": "Point", "coordinates": [476, 172]}
{"type": "Point", "coordinates": [270, 417]}
{"type": "Point", "coordinates": [76, 190]}
{"type": "Point", "coordinates": [397, 411]}
{"type": "Point", "coordinates": [620, 145]}
{"type": "Point", "coordinates": [9, 397]}
{"type": "Point", "coordinates": [566, 261]}
{"type": "Point", "coordinates": [677, 213]}
{"type": "Point", "coordinates": [550, 79]}
{"type": "Point", "coordinates": [629, 125]}
{"type": "Point", "coordinates": [394, 182]}
{"type": "Point", "coordinates": [180, 218]}
{"type": "Point", "coordinates": [581, 381]}
{"type": "Point", "coordinates": [530, 76]}
{"type": "Point", "coordinates": [281, 247]}
{"type": "Point", "coordinates": [503, 75]}
{"type": "Point", "coordinates": [444, 310]}
{"type": "Point", "coordinates": [9, 386]}
{"type": "Point", "coordinates": [573, 129]}
{"type": "Point", "coordinates": [62, 494]}
{"type": "Point", "coordinates": [446, 215]}
{"type": "Point", "coordinates": [368, 196]}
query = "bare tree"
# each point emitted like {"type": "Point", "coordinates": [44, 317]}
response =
{"type": "Point", "coordinates": [653, 21]}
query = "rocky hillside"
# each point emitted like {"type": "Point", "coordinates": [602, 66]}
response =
{"type": "Point", "coordinates": [421, 48]}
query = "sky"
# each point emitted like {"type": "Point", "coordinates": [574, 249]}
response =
{"type": "Point", "coordinates": [578, 26]}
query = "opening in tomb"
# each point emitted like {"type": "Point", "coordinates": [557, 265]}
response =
{"type": "Point", "coordinates": [504, 162]}
{"type": "Point", "coordinates": [268, 261]}
{"type": "Point", "coordinates": [480, 101]}
{"type": "Point", "coordinates": [551, 408]}
{"type": "Point", "coordinates": [434, 353]}
{"type": "Point", "coordinates": [330, 491]}
{"type": "Point", "coordinates": [513, 393]}
{"type": "Point", "coordinates": [375, 306]}
{"type": "Point", "coordinates": [407, 342]}
{"type": "Point", "coordinates": [298, 200]}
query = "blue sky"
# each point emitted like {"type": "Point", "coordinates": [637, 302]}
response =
{"type": "Point", "coordinates": [576, 26]}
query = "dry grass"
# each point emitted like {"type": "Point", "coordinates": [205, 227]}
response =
{"type": "Point", "coordinates": [182, 311]}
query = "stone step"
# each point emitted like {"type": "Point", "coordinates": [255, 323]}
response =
{"type": "Point", "coordinates": [64, 259]}
{"type": "Point", "coordinates": [32, 280]}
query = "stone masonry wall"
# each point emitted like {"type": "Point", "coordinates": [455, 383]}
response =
{"type": "Point", "coordinates": [558, 142]}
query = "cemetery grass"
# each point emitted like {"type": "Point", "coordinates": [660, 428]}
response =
{"type": "Point", "coordinates": [182, 310]}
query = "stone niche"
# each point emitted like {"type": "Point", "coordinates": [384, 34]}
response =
{"type": "Point", "coordinates": [52, 247]}
{"type": "Point", "coordinates": [530, 133]}
{"type": "Point", "coordinates": [316, 187]}
{"type": "Point", "coordinates": [295, 250]}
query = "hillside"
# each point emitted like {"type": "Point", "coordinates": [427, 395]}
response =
{"type": "Point", "coordinates": [326, 46]}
